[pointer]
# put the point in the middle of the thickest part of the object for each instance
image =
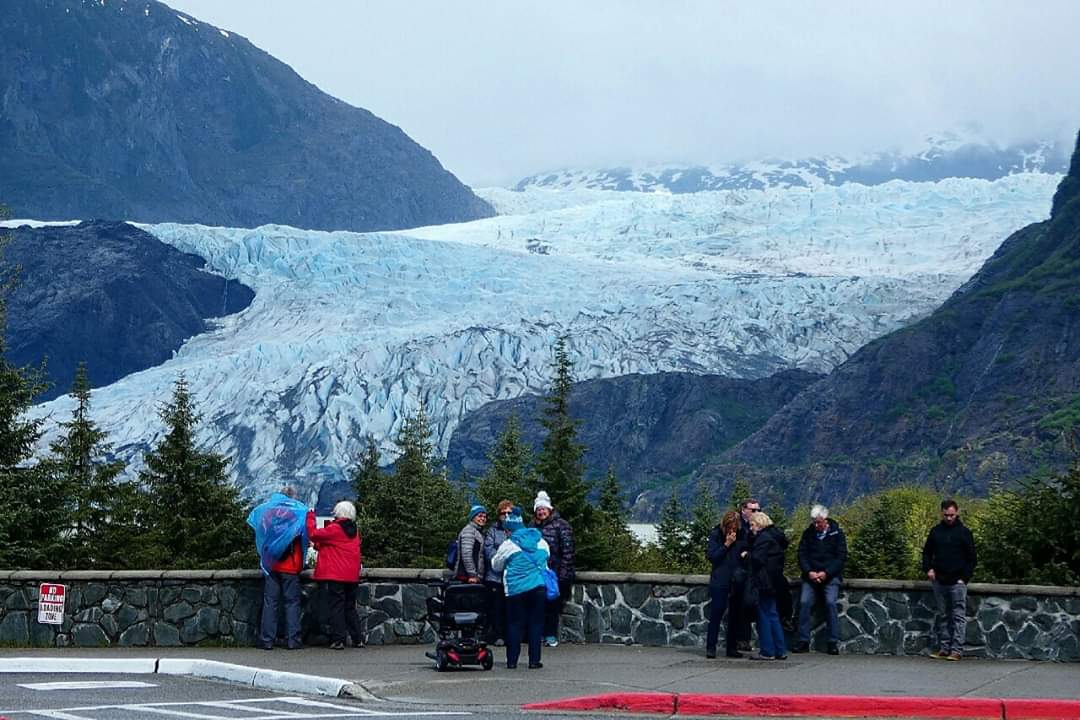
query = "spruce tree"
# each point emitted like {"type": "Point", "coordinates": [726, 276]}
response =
{"type": "Point", "coordinates": [673, 536]}
{"type": "Point", "coordinates": [617, 546]}
{"type": "Point", "coordinates": [412, 514]}
{"type": "Point", "coordinates": [30, 533]}
{"type": "Point", "coordinates": [367, 474]}
{"type": "Point", "coordinates": [880, 547]}
{"type": "Point", "coordinates": [191, 514]}
{"type": "Point", "coordinates": [704, 516]}
{"type": "Point", "coordinates": [740, 491]}
{"type": "Point", "coordinates": [102, 508]}
{"type": "Point", "coordinates": [507, 477]}
{"type": "Point", "coordinates": [559, 466]}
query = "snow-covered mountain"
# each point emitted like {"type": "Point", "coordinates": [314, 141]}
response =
{"type": "Point", "coordinates": [950, 155]}
{"type": "Point", "coordinates": [348, 332]}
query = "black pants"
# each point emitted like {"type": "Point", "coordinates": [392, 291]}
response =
{"type": "Point", "coordinates": [785, 608]}
{"type": "Point", "coordinates": [280, 586]}
{"type": "Point", "coordinates": [553, 608]}
{"type": "Point", "coordinates": [722, 600]}
{"type": "Point", "coordinates": [341, 604]}
{"type": "Point", "coordinates": [524, 618]}
{"type": "Point", "coordinates": [743, 616]}
{"type": "Point", "coordinates": [496, 620]}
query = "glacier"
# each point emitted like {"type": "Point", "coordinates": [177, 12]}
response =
{"type": "Point", "coordinates": [350, 332]}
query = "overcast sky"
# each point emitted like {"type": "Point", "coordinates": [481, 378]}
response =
{"type": "Point", "coordinates": [500, 90]}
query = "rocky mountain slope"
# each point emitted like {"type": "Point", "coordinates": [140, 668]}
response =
{"type": "Point", "coordinates": [984, 390]}
{"type": "Point", "coordinates": [651, 429]}
{"type": "Point", "coordinates": [130, 110]}
{"type": "Point", "coordinates": [109, 294]}
{"type": "Point", "coordinates": [942, 157]}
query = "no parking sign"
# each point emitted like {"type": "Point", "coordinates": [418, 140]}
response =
{"type": "Point", "coordinates": [51, 604]}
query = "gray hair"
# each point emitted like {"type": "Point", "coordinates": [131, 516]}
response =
{"type": "Point", "coordinates": [345, 510]}
{"type": "Point", "coordinates": [289, 491]}
{"type": "Point", "coordinates": [819, 511]}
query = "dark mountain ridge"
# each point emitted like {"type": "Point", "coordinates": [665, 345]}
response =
{"type": "Point", "coordinates": [653, 430]}
{"type": "Point", "coordinates": [130, 110]}
{"type": "Point", "coordinates": [984, 390]}
{"type": "Point", "coordinates": [109, 294]}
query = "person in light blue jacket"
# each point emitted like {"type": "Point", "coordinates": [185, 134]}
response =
{"type": "Point", "coordinates": [520, 559]}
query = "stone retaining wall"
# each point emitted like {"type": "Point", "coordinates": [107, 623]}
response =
{"type": "Point", "coordinates": [222, 608]}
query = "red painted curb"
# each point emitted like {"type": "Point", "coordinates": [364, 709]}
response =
{"type": "Point", "coordinates": [645, 702]}
{"type": "Point", "coordinates": [839, 706]}
{"type": "Point", "coordinates": [1027, 709]}
{"type": "Point", "coordinates": [854, 706]}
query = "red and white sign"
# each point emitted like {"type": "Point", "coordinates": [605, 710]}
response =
{"type": "Point", "coordinates": [51, 604]}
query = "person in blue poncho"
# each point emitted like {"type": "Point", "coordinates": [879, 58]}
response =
{"type": "Point", "coordinates": [520, 559]}
{"type": "Point", "coordinates": [281, 539]}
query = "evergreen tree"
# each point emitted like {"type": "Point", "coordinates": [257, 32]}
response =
{"type": "Point", "coordinates": [508, 476]}
{"type": "Point", "coordinates": [559, 465]}
{"type": "Point", "coordinates": [704, 516]}
{"type": "Point", "coordinates": [33, 508]}
{"type": "Point", "coordinates": [879, 548]}
{"type": "Point", "coordinates": [617, 546]}
{"type": "Point", "coordinates": [101, 514]}
{"type": "Point", "coordinates": [367, 474]}
{"type": "Point", "coordinates": [673, 536]}
{"type": "Point", "coordinates": [411, 515]}
{"type": "Point", "coordinates": [740, 491]}
{"type": "Point", "coordinates": [191, 514]}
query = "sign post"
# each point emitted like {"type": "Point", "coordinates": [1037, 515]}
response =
{"type": "Point", "coordinates": [51, 603]}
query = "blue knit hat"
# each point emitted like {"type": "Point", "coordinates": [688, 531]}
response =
{"type": "Point", "coordinates": [514, 521]}
{"type": "Point", "coordinates": [476, 510]}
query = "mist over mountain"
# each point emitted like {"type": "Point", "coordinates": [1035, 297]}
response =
{"type": "Point", "coordinates": [130, 110]}
{"type": "Point", "coordinates": [946, 156]}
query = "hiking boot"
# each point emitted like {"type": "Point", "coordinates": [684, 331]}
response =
{"type": "Point", "coordinates": [834, 649]}
{"type": "Point", "coordinates": [801, 647]}
{"type": "Point", "coordinates": [955, 655]}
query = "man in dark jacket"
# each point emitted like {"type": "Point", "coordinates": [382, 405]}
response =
{"type": "Point", "coordinates": [948, 559]}
{"type": "Point", "coordinates": [560, 539]}
{"type": "Point", "coordinates": [822, 554]}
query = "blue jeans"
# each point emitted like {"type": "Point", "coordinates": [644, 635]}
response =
{"type": "Point", "coordinates": [951, 616]}
{"type": "Point", "coordinates": [770, 634]}
{"type": "Point", "coordinates": [278, 585]}
{"type": "Point", "coordinates": [830, 591]}
{"type": "Point", "coordinates": [524, 618]}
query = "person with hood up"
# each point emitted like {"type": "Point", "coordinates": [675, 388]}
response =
{"type": "Point", "coordinates": [767, 575]}
{"type": "Point", "coordinates": [281, 540]}
{"type": "Point", "coordinates": [493, 539]}
{"type": "Point", "coordinates": [948, 559]}
{"type": "Point", "coordinates": [471, 563]}
{"type": "Point", "coordinates": [521, 559]}
{"type": "Point", "coordinates": [560, 539]}
{"type": "Point", "coordinates": [822, 554]}
{"type": "Point", "coordinates": [338, 569]}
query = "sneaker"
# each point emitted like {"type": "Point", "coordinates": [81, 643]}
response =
{"type": "Point", "coordinates": [781, 657]}
{"type": "Point", "coordinates": [551, 641]}
{"type": "Point", "coordinates": [801, 647]}
{"type": "Point", "coordinates": [337, 646]}
{"type": "Point", "coordinates": [762, 656]}
{"type": "Point", "coordinates": [955, 655]}
{"type": "Point", "coordinates": [536, 666]}
{"type": "Point", "coordinates": [834, 649]}
{"type": "Point", "coordinates": [939, 654]}
{"type": "Point", "coordinates": [710, 653]}
{"type": "Point", "coordinates": [500, 643]}
{"type": "Point", "coordinates": [511, 666]}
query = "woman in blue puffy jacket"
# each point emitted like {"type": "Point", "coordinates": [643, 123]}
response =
{"type": "Point", "coordinates": [520, 559]}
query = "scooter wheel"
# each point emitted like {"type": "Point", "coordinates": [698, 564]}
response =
{"type": "Point", "coordinates": [488, 662]}
{"type": "Point", "coordinates": [441, 661]}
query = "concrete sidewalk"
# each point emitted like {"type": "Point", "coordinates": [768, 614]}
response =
{"type": "Point", "coordinates": [401, 673]}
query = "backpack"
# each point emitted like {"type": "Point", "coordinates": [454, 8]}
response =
{"type": "Point", "coordinates": [452, 555]}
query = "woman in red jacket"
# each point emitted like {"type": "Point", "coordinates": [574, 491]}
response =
{"type": "Point", "coordinates": [338, 568]}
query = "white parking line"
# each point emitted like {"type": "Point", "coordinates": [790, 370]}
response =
{"type": "Point", "coordinates": [87, 685]}
{"type": "Point", "coordinates": [256, 706]}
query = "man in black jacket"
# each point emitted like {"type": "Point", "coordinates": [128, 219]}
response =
{"type": "Point", "coordinates": [822, 554]}
{"type": "Point", "coordinates": [948, 559]}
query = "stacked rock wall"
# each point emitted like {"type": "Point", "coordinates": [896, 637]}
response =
{"type": "Point", "coordinates": [222, 608]}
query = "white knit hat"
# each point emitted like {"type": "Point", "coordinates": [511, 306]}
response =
{"type": "Point", "coordinates": [542, 501]}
